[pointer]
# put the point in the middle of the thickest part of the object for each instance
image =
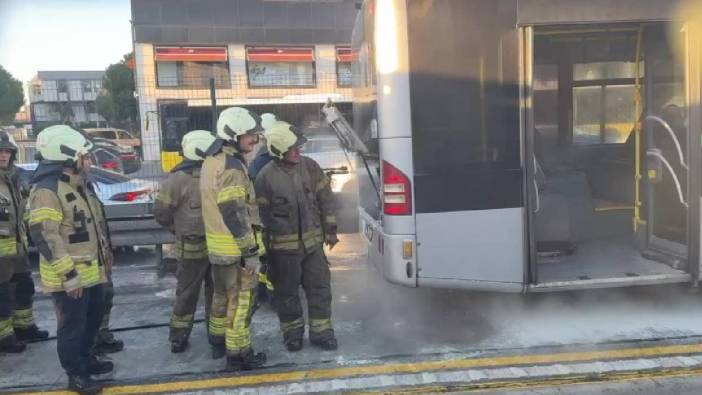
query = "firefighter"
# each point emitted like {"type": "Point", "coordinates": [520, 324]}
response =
{"type": "Point", "coordinates": [67, 225]}
{"type": "Point", "coordinates": [233, 234]}
{"type": "Point", "coordinates": [16, 285]}
{"type": "Point", "coordinates": [297, 210]}
{"type": "Point", "coordinates": [262, 157]}
{"type": "Point", "coordinates": [178, 208]}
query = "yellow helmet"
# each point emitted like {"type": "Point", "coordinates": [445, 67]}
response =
{"type": "Point", "coordinates": [237, 121]}
{"type": "Point", "coordinates": [282, 137]}
{"type": "Point", "coordinates": [196, 143]}
{"type": "Point", "coordinates": [62, 143]}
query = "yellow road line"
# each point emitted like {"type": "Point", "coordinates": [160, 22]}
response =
{"type": "Point", "coordinates": [568, 380]}
{"type": "Point", "coordinates": [396, 368]}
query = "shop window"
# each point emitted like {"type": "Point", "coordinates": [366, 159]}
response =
{"type": "Point", "coordinates": [344, 73]}
{"type": "Point", "coordinates": [192, 67]}
{"type": "Point", "coordinates": [280, 67]}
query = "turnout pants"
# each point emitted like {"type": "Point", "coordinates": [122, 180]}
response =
{"type": "Point", "coordinates": [191, 274]}
{"type": "Point", "coordinates": [108, 291]}
{"type": "Point", "coordinates": [78, 321]}
{"type": "Point", "coordinates": [16, 297]}
{"type": "Point", "coordinates": [23, 284]}
{"type": "Point", "coordinates": [288, 273]}
{"type": "Point", "coordinates": [232, 308]}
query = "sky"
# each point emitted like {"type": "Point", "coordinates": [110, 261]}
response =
{"type": "Point", "coordinates": [62, 35]}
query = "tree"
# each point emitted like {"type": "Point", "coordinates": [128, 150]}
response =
{"type": "Point", "coordinates": [116, 103]}
{"type": "Point", "coordinates": [11, 97]}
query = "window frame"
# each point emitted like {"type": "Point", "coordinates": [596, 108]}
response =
{"type": "Point", "coordinates": [179, 65]}
{"type": "Point", "coordinates": [337, 63]}
{"type": "Point", "coordinates": [602, 84]}
{"type": "Point", "coordinates": [314, 67]}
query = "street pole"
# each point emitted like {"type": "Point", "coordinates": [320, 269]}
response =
{"type": "Point", "coordinates": [213, 99]}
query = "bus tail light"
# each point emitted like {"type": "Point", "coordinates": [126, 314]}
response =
{"type": "Point", "coordinates": [397, 192]}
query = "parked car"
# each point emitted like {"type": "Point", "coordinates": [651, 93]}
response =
{"type": "Point", "coordinates": [128, 155]}
{"type": "Point", "coordinates": [118, 136]}
{"type": "Point", "coordinates": [107, 159]}
{"type": "Point", "coordinates": [128, 204]}
{"type": "Point", "coordinates": [327, 152]}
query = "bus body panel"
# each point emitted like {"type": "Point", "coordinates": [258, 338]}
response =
{"type": "Point", "coordinates": [385, 252]}
{"type": "Point", "coordinates": [481, 245]}
{"type": "Point", "coordinates": [450, 115]}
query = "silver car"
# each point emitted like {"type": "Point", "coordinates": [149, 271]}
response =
{"type": "Point", "coordinates": [129, 205]}
{"type": "Point", "coordinates": [326, 151]}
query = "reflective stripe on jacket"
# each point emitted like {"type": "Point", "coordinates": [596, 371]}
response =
{"type": "Point", "coordinates": [229, 208]}
{"type": "Point", "coordinates": [296, 205]}
{"type": "Point", "coordinates": [178, 207]}
{"type": "Point", "coordinates": [13, 239]}
{"type": "Point", "coordinates": [67, 225]}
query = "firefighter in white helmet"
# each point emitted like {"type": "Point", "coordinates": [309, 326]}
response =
{"type": "Point", "coordinates": [178, 208]}
{"type": "Point", "coordinates": [233, 234]}
{"type": "Point", "coordinates": [298, 212]}
{"type": "Point", "coordinates": [67, 225]}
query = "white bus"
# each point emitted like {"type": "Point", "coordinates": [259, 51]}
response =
{"type": "Point", "coordinates": [529, 145]}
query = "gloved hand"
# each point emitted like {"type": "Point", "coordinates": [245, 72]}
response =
{"type": "Point", "coordinates": [330, 240]}
{"type": "Point", "coordinates": [252, 264]}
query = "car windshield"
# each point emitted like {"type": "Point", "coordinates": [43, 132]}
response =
{"type": "Point", "coordinates": [322, 145]}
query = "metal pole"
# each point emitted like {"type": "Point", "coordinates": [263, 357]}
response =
{"type": "Point", "coordinates": [213, 99]}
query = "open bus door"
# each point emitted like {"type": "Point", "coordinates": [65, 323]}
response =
{"type": "Point", "coordinates": [614, 192]}
{"type": "Point", "coordinates": [670, 150]}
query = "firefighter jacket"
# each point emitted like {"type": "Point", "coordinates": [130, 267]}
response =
{"type": "Point", "coordinates": [178, 208]}
{"type": "Point", "coordinates": [296, 205]}
{"type": "Point", "coordinates": [13, 236]}
{"type": "Point", "coordinates": [232, 224]}
{"type": "Point", "coordinates": [68, 226]}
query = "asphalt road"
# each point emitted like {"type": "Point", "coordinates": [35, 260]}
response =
{"type": "Point", "coordinates": [405, 329]}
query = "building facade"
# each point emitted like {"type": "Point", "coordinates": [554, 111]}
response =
{"type": "Point", "coordinates": [65, 97]}
{"type": "Point", "coordinates": [285, 57]}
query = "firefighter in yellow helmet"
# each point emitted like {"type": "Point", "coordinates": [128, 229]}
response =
{"type": "Point", "coordinates": [178, 208]}
{"type": "Point", "coordinates": [16, 284]}
{"type": "Point", "coordinates": [67, 225]}
{"type": "Point", "coordinates": [298, 212]}
{"type": "Point", "coordinates": [233, 234]}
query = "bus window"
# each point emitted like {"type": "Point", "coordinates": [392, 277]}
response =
{"type": "Point", "coordinates": [603, 107]}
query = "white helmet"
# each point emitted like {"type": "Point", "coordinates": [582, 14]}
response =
{"type": "Point", "coordinates": [196, 143]}
{"type": "Point", "coordinates": [282, 137]}
{"type": "Point", "coordinates": [237, 121]}
{"type": "Point", "coordinates": [61, 143]}
{"type": "Point", "coordinates": [267, 120]}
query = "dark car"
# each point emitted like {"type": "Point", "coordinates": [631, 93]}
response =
{"type": "Point", "coordinates": [128, 156]}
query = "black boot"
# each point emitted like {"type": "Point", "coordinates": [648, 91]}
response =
{"type": "Point", "coordinates": [96, 366]}
{"type": "Point", "coordinates": [107, 344]}
{"type": "Point", "coordinates": [11, 345]}
{"type": "Point", "coordinates": [84, 385]}
{"type": "Point", "coordinates": [218, 351]}
{"type": "Point", "coordinates": [294, 345]}
{"type": "Point", "coordinates": [329, 344]}
{"type": "Point", "coordinates": [178, 346]}
{"type": "Point", "coordinates": [247, 361]}
{"type": "Point", "coordinates": [31, 334]}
